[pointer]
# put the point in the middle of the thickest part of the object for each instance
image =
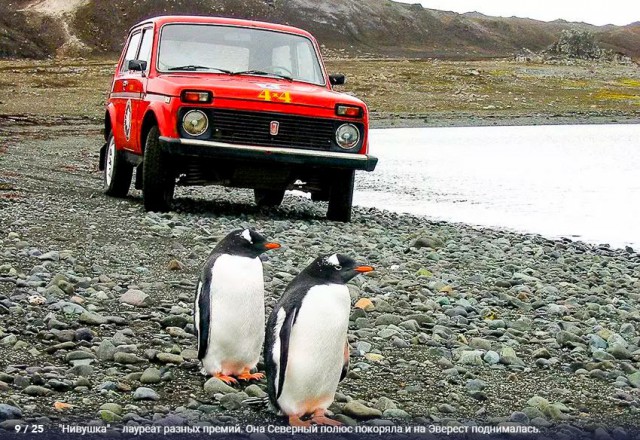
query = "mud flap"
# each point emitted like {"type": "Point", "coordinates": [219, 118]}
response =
{"type": "Point", "coordinates": [103, 153]}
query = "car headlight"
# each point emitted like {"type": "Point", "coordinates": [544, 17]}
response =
{"type": "Point", "coordinates": [195, 122]}
{"type": "Point", "coordinates": [347, 136]}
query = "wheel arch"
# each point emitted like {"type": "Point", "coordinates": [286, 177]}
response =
{"type": "Point", "coordinates": [150, 119]}
{"type": "Point", "coordinates": [109, 120]}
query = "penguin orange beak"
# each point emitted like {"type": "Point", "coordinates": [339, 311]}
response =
{"type": "Point", "coordinates": [363, 269]}
{"type": "Point", "coordinates": [270, 246]}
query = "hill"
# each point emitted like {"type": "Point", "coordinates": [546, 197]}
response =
{"type": "Point", "coordinates": [40, 28]}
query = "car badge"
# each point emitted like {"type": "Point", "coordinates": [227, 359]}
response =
{"type": "Point", "coordinates": [274, 128]}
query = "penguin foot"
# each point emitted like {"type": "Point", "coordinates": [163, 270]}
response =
{"type": "Point", "coordinates": [226, 379]}
{"type": "Point", "coordinates": [320, 418]}
{"type": "Point", "coordinates": [296, 421]}
{"type": "Point", "coordinates": [247, 375]}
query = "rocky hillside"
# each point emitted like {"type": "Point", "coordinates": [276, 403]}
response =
{"type": "Point", "coordinates": [37, 28]}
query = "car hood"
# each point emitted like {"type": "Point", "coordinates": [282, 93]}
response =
{"type": "Point", "coordinates": [251, 88]}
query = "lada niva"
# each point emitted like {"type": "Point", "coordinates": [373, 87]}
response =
{"type": "Point", "coordinates": [217, 101]}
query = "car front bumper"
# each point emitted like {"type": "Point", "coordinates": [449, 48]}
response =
{"type": "Point", "coordinates": [291, 156]}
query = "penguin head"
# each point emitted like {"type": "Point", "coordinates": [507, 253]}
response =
{"type": "Point", "coordinates": [337, 268]}
{"type": "Point", "coordinates": [247, 243]}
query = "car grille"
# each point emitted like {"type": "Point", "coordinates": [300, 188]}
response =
{"type": "Point", "coordinates": [253, 128]}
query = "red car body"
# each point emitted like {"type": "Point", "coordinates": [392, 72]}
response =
{"type": "Point", "coordinates": [270, 130]}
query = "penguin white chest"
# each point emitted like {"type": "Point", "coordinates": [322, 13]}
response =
{"type": "Point", "coordinates": [316, 350]}
{"type": "Point", "coordinates": [237, 315]}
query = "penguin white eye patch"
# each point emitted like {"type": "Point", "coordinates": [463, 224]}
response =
{"type": "Point", "coordinates": [247, 236]}
{"type": "Point", "coordinates": [333, 260]}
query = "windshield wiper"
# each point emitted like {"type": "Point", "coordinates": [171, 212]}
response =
{"type": "Point", "coordinates": [197, 67]}
{"type": "Point", "coordinates": [261, 73]}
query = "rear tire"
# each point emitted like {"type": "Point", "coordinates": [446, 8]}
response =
{"type": "Point", "coordinates": [117, 171]}
{"type": "Point", "coordinates": [341, 198]}
{"type": "Point", "coordinates": [158, 181]}
{"type": "Point", "coordinates": [268, 198]}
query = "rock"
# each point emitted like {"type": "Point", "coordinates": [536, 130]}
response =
{"type": "Point", "coordinates": [151, 376]}
{"type": "Point", "coordinates": [480, 344]}
{"type": "Point", "coordinates": [9, 412]}
{"type": "Point", "coordinates": [109, 416]}
{"type": "Point", "coordinates": [357, 410]}
{"type": "Point", "coordinates": [175, 265]}
{"type": "Point", "coordinates": [144, 393]}
{"type": "Point", "coordinates": [388, 319]}
{"type": "Point", "coordinates": [169, 358]}
{"type": "Point", "coordinates": [174, 321]}
{"type": "Point", "coordinates": [233, 401]}
{"type": "Point", "coordinates": [50, 256]}
{"type": "Point", "coordinates": [365, 304]}
{"type": "Point", "coordinates": [91, 318]}
{"type": "Point", "coordinates": [254, 390]}
{"type": "Point", "coordinates": [384, 403]}
{"type": "Point", "coordinates": [432, 242]}
{"type": "Point", "coordinates": [374, 357]}
{"type": "Point", "coordinates": [508, 356]}
{"type": "Point", "coordinates": [565, 338]}
{"type": "Point", "coordinates": [83, 334]}
{"type": "Point", "coordinates": [473, 357]}
{"type": "Point", "coordinates": [216, 386]}
{"type": "Point", "coordinates": [106, 350]}
{"type": "Point", "coordinates": [126, 358]}
{"type": "Point", "coordinates": [396, 414]}
{"type": "Point", "coordinates": [113, 407]}
{"type": "Point", "coordinates": [135, 298]}
{"type": "Point", "coordinates": [634, 379]}
{"type": "Point", "coordinates": [36, 390]}
{"type": "Point", "coordinates": [491, 357]}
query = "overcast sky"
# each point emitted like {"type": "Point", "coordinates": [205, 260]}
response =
{"type": "Point", "coordinates": [598, 12]}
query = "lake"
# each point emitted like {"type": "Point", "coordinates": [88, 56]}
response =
{"type": "Point", "coordinates": [576, 181]}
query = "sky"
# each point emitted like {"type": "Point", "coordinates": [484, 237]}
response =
{"type": "Point", "coordinates": [598, 12]}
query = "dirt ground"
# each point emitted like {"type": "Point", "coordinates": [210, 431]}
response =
{"type": "Point", "coordinates": [398, 92]}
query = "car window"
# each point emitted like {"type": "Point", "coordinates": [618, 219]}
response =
{"type": "Point", "coordinates": [235, 49]}
{"type": "Point", "coordinates": [144, 53]}
{"type": "Point", "coordinates": [132, 51]}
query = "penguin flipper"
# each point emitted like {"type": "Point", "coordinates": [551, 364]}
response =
{"type": "Point", "coordinates": [345, 365]}
{"type": "Point", "coordinates": [203, 306]}
{"type": "Point", "coordinates": [277, 348]}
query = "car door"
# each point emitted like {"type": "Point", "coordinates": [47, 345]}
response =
{"type": "Point", "coordinates": [138, 84]}
{"type": "Point", "coordinates": [126, 89]}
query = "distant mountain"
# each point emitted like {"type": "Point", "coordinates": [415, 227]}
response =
{"type": "Point", "coordinates": [39, 28]}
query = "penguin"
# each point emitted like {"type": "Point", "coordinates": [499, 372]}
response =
{"type": "Point", "coordinates": [306, 349]}
{"type": "Point", "coordinates": [229, 311]}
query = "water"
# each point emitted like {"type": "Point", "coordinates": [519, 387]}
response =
{"type": "Point", "coordinates": [578, 181]}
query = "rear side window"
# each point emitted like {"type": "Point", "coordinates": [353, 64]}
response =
{"type": "Point", "coordinates": [132, 51]}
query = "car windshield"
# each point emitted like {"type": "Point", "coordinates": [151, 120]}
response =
{"type": "Point", "coordinates": [227, 49]}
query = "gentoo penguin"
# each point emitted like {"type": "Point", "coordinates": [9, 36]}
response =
{"type": "Point", "coordinates": [306, 348]}
{"type": "Point", "coordinates": [229, 307]}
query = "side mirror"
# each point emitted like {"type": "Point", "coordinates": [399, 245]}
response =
{"type": "Point", "coordinates": [137, 65]}
{"type": "Point", "coordinates": [337, 79]}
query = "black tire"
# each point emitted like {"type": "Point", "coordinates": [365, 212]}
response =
{"type": "Point", "coordinates": [268, 198]}
{"type": "Point", "coordinates": [341, 197]}
{"type": "Point", "coordinates": [117, 172]}
{"type": "Point", "coordinates": [158, 180]}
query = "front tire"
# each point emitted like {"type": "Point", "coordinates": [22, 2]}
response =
{"type": "Point", "coordinates": [268, 198]}
{"type": "Point", "coordinates": [117, 171]}
{"type": "Point", "coordinates": [341, 197]}
{"type": "Point", "coordinates": [158, 181]}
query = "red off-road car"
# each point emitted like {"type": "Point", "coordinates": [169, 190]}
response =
{"type": "Point", "coordinates": [201, 100]}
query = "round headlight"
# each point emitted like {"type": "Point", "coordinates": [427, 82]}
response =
{"type": "Point", "coordinates": [347, 136]}
{"type": "Point", "coordinates": [195, 122]}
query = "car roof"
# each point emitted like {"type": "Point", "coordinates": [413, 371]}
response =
{"type": "Point", "coordinates": [166, 19]}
